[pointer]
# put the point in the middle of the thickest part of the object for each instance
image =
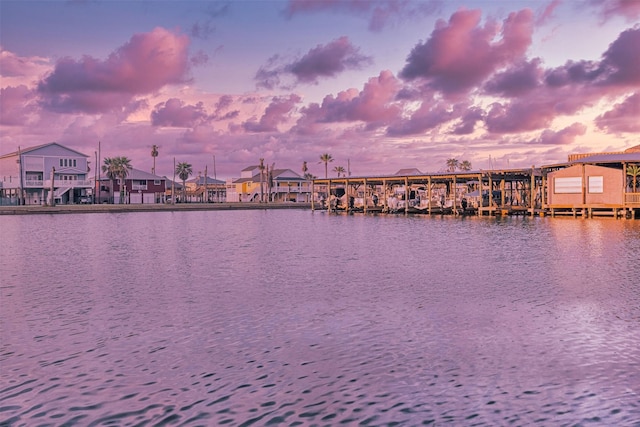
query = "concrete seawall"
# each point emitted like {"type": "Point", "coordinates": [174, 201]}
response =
{"type": "Point", "coordinates": [107, 208]}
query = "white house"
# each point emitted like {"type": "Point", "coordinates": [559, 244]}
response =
{"type": "Point", "coordinates": [34, 175]}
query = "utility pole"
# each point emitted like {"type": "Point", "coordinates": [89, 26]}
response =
{"type": "Point", "coordinates": [53, 186]}
{"type": "Point", "coordinates": [173, 184]}
{"type": "Point", "coordinates": [95, 179]}
{"type": "Point", "coordinates": [99, 158]}
{"type": "Point", "coordinates": [206, 187]}
{"type": "Point", "coordinates": [21, 196]}
{"type": "Point", "coordinates": [261, 180]}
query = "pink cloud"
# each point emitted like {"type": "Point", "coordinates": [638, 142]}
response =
{"type": "Point", "coordinates": [276, 113]}
{"type": "Point", "coordinates": [429, 116]}
{"type": "Point", "coordinates": [15, 105]}
{"type": "Point", "coordinates": [629, 9]}
{"type": "Point", "coordinates": [547, 12]}
{"type": "Point", "coordinates": [375, 105]}
{"type": "Point", "coordinates": [322, 61]}
{"type": "Point", "coordinates": [562, 137]}
{"type": "Point", "coordinates": [460, 54]}
{"type": "Point", "coordinates": [174, 113]}
{"type": "Point", "coordinates": [624, 117]}
{"type": "Point", "coordinates": [12, 65]}
{"type": "Point", "coordinates": [146, 63]}
{"type": "Point", "coordinates": [372, 104]}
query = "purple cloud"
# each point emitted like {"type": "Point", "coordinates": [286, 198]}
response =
{"type": "Point", "coordinates": [460, 54]}
{"type": "Point", "coordinates": [277, 112]}
{"type": "Point", "coordinates": [174, 113]}
{"type": "Point", "coordinates": [517, 80]}
{"type": "Point", "coordinates": [562, 137]}
{"type": "Point", "coordinates": [624, 117]}
{"type": "Point", "coordinates": [320, 62]}
{"type": "Point", "coordinates": [146, 63]}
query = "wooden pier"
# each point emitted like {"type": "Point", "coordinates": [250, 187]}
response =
{"type": "Point", "coordinates": [504, 192]}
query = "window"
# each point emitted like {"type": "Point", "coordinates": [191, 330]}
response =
{"type": "Point", "coordinates": [61, 163]}
{"type": "Point", "coordinates": [74, 163]}
{"type": "Point", "coordinates": [65, 163]}
{"type": "Point", "coordinates": [156, 182]}
{"type": "Point", "coordinates": [568, 185]}
{"type": "Point", "coordinates": [596, 184]}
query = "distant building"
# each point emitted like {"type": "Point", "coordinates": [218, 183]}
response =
{"type": "Point", "coordinates": [45, 173]}
{"type": "Point", "coordinates": [139, 187]}
{"type": "Point", "coordinates": [277, 185]}
{"type": "Point", "coordinates": [205, 189]}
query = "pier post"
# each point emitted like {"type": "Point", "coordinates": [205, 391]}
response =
{"type": "Point", "coordinates": [490, 193]}
{"type": "Point", "coordinates": [429, 194]}
{"type": "Point", "coordinates": [531, 193]}
{"type": "Point", "coordinates": [454, 190]}
{"type": "Point", "coordinates": [406, 195]}
{"type": "Point", "coordinates": [364, 208]}
{"type": "Point", "coordinates": [479, 194]}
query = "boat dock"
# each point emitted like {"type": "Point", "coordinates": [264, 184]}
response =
{"type": "Point", "coordinates": [484, 193]}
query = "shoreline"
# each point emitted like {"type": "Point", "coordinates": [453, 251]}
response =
{"type": "Point", "coordinates": [109, 208]}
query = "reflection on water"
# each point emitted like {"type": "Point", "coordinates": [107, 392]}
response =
{"type": "Point", "coordinates": [301, 318]}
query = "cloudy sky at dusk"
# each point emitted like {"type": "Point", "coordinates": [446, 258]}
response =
{"type": "Point", "coordinates": [383, 85]}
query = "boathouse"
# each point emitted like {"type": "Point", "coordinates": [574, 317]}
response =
{"type": "Point", "coordinates": [599, 184]}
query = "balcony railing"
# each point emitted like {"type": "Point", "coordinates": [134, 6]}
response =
{"type": "Point", "coordinates": [135, 187]}
{"type": "Point", "coordinates": [632, 199]}
{"type": "Point", "coordinates": [73, 183]}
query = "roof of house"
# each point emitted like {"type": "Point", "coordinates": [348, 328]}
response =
{"type": "Point", "coordinates": [140, 174]}
{"type": "Point", "coordinates": [610, 158]}
{"type": "Point", "coordinates": [200, 180]}
{"type": "Point", "coordinates": [37, 147]}
{"type": "Point", "coordinates": [634, 149]}
{"type": "Point", "coordinates": [169, 183]}
{"type": "Point", "coordinates": [408, 171]}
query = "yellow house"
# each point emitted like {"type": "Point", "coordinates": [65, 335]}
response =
{"type": "Point", "coordinates": [276, 185]}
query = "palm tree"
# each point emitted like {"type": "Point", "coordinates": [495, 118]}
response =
{"type": "Point", "coordinates": [339, 170]}
{"type": "Point", "coordinates": [452, 164]}
{"type": "Point", "coordinates": [305, 169]}
{"type": "Point", "coordinates": [117, 168]}
{"type": "Point", "coordinates": [633, 171]}
{"type": "Point", "coordinates": [154, 154]}
{"type": "Point", "coordinates": [465, 165]}
{"type": "Point", "coordinates": [326, 158]}
{"type": "Point", "coordinates": [184, 170]}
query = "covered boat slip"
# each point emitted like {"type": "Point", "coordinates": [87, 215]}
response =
{"type": "Point", "coordinates": [495, 192]}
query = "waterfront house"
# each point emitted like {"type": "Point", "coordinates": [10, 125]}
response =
{"type": "Point", "coordinates": [36, 175]}
{"type": "Point", "coordinates": [592, 184]}
{"type": "Point", "coordinates": [277, 185]}
{"type": "Point", "coordinates": [140, 187]}
{"type": "Point", "coordinates": [205, 189]}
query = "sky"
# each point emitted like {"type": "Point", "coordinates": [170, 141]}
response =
{"type": "Point", "coordinates": [380, 85]}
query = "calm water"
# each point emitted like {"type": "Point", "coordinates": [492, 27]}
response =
{"type": "Point", "coordinates": [299, 318]}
